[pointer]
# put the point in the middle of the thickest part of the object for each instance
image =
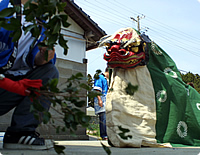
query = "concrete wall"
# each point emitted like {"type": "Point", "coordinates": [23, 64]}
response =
{"type": "Point", "coordinates": [66, 69]}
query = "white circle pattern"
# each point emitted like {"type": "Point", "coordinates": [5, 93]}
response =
{"type": "Point", "coordinates": [170, 72]}
{"type": "Point", "coordinates": [161, 96]}
{"type": "Point", "coordinates": [182, 134]}
{"type": "Point", "coordinates": [155, 49]}
{"type": "Point", "coordinates": [198, 106]}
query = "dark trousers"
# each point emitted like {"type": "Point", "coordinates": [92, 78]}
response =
{"type": "Point", "coordinates": [22, 118]}
{"type": "Point", "coordinates": [102, 124]}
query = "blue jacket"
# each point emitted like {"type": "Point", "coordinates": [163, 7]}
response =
{"type": "Point", "coordinates": [101, 85]}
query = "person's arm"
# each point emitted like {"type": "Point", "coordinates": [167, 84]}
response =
{"type": "Point", "coordinates": [40, 56]}
{"type": "Point", "coordinates": [100, 102]}
{"type": "Point", "coordinates": [98, 87]}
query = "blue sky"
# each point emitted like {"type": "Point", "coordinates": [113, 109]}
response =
{"type": "Point", "coordinates": [173, 24]}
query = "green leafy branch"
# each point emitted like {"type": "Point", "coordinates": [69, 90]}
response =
{"type": "Point", "coordinates": [106, 149]}
{"type": "Point", "coordinates": [68, 99]}
{"type": "Point", "coordinates": [41, 14]}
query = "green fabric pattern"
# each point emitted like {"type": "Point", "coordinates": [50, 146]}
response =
{"type": "Point", "coordinates": [178, 104]}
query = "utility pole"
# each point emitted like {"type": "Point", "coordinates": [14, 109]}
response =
{"type": "Point", "coordinates": [138, 21]}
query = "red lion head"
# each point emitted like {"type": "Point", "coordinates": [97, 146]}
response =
{"type": "Point", "coordinates": [125, 49]}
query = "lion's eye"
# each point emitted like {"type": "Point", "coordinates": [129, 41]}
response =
{"type": "Point", "coordinates": [122, 52]}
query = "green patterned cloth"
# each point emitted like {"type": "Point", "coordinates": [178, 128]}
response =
{"type": "Point", "coordinates": [177, 104]}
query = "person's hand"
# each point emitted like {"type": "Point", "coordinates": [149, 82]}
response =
{"type": "Point", "coordinates": [100, 103]}
{"type": "Point", "coordinates": [40, 56]}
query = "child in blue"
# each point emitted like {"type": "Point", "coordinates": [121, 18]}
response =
{"type": "Point", "coordinates": [18, 61]}
{"type": "Point", "coordinates": [101, 85]}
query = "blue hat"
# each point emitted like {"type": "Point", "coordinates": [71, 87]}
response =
{"type": "Point", "coordinates": [4, 4]}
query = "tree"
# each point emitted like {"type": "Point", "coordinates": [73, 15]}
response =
{"type": "Point", "coordinates": [90, 83]}
{"type": "Point", "coordinates": [194, 78]}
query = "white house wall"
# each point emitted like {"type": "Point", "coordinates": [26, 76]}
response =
{"type": "Point", "coordinates": [76, 43]}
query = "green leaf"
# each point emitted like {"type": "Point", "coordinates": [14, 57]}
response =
{"type": "Point", "coordinates": [66, 24]}
{"type": "Point", "coordinates": [29, 28]}
{"type": "Point", "coordinates": [107, 149]}
{"type": "Point", "coordinates": [8, 27]}
{"type": "Point", "coordinates": [93, 93]}
{"type": "Point", "coordinates": [30, 17]}
{"type": "Point", "coordinates": [61, 6]}
{"type": "Point", "coordinates": [53, 85]}
{"type": "Point", "coordinates": [69, 118]}
{"type": "Point", "coordinates": [85, 86]}
{"type": "Point", "coordinates": [80, 103]}
{"type": "Point", "coordinates": [7, 12]}
{"type": "Point", "coordinates": [17, 9]}
{"type": "Point", "coordinates": [63, 129]}
{"type": "Point", "coordinates": [72, 133]}
{"type": "Point", "coordinates": [59, 149]}
{"type": "Point", "coordinates": [79, 76]}
{"type": "Point", "coordinates": [65, 51]}
{"type": "Point", "coordinates": [64, 20]}
{"type": "Point", "coordinates": [26, 5]}
{"type": "Point", "coordinates": [63, 42]}
{"type": "Point", "coordinates": [35, 31]}
{"type": "Point", "coordinates": [12, 24]}
{"type": "Point", "coordinates": [57, 27]}
{"type": "Point", "coordinates": [74, 125]}
{"type": "Point", "coordinates": [16, 35]}
{"type": "Point", "coordinates": [33, 6]}
{"type": "Point", "coordinates": [36, 116]}
{"type": "Point", "coordinates": [46, 117]}
{"type": "Point", "coordinates": [86, 119]}
{"type": "Point", "coordinates": [58, 129]}
{"type": "Point", "coordinates": [52, 39]}
{"type": "Point", "coordinates": [38, 107]}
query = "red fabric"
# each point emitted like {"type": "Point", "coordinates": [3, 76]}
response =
{"type": "Point", "coordinates": [20, 87]}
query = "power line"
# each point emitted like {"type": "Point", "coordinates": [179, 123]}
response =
{"type": "Point", "coordinates": [96, 8]}
{"type": "Point", "coordinates": [176, 31]}
{"type": "Point", "coordinates": [169, 35]}
{"type": "Point", "coordinates": [174, 40]}
{"type": "Point", "coordinates": [166, 41]}
{"type": "Point", "coordinates": [122, 19]}
{"type": "Point", "coordinates": [128, 9]}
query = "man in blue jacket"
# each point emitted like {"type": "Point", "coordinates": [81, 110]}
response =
{"type": "Point", "coordinates": [18, 61]}
{"type": "Point", "coordinates": [101, 85]}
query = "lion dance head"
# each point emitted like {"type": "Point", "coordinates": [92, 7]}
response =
{"type": "Point", "coordinates": [125, 49]}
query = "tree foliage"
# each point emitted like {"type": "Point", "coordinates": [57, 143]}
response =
{"type": "Point", "coordinates": [194, 78]}
{"type": "Point", "coordinates": [90, 83]}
